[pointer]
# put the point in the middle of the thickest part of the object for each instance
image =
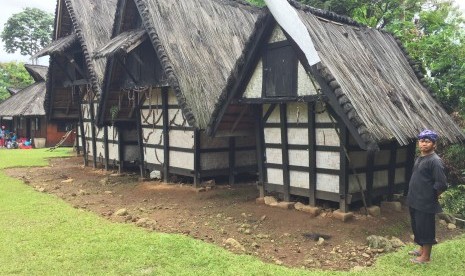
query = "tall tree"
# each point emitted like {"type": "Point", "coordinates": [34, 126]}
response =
{"type": "Point", "coordinates": [13, 75]}
{"type": "Point", "coordinates": [27, 31]}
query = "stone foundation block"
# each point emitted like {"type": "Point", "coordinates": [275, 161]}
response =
{"type": "Point", "coordinates": [312, 210]}
{"type": "Point", "coordinates": [391, 205]}
{"type": "Point", "coordinates": [286, 205]}
{"type": "Point", "coordinates": [260, 200]}
{"type": "Point", "coordinates": [269, 200]}
{"type": "Point", "coordinates": [338, 214]}
{"type": "Point", "coordinates": [374, 211]}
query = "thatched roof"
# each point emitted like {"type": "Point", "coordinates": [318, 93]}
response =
{"type": "Point", "coordinates": [198, 43]}
{"type": "Point", "coordinates": [13, 90]}
{"type": "Point", "coordinates": [58, 46]}
{"type": "Point", "coordinates": [27, 102]}
{"type": "Point", "coordinates": [123, 43]}
{"type": "Point", "coordinates": [375, 83]}
{"type": "Point", "coordinates": [38, 72]}
{"type": "Point", "coordinates": [376, 87]}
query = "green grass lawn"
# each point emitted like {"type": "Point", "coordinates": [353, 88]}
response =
{"type": "Point", "coordinates": [42, 235]}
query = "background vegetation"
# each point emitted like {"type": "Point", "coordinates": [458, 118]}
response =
{"type": "Point", "coordinates": [13, 75]}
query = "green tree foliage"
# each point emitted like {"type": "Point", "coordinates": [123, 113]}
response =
{"type": "Point", "coordinates": [13, 74]}
{"type": "Point", "coordinates": [27, 31]}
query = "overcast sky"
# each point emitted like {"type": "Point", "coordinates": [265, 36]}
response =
{"type": "Point", "coordinates": [10, 7]}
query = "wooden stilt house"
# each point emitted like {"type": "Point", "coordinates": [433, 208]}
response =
{"type": "Point", "coordinates": [74, 82]}
{"type": "Point", "coordinates": [338, 129]}
{"type": "Point", "coordinates": [168, 63]}
{"type": "Point", "coordinates": [26, 114]}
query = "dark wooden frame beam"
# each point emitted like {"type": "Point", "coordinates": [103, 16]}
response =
{"type": "Point", "coordinates": [260, 152]}
{"type": "Point", "coordinates": [392, 170]}
{"type": "Point", "coordinates": [83, 133]}
{"type": "Point", "coordinates": [140, 144]}
{"type": "Point", "coordinates": [343, 171]}
{"type": "Point", "coordinates": [411, 149]}
{"type": "Point", "coordinates": [105, 142]}
{"type": "Point", "coordinates": [285, 152]}
{"type": "Point", "coordinates": [311, 153]}
{"type": "Point", "coordinates": [166, 137]}
{"type": "Point", "coordinates": [232, 160]}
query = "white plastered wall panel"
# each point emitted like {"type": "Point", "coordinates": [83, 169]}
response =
{"type": "Point", "coordinates": [328, 160]}
{"type": "Point", "coordinates": [181, 139]}
{"type": "Point", "coordinates": [327, 137]}
{"type": "Point", "coordinates": [297, 136]}
{"type": "Point", "coordinates": [327, 182]}
{"type": "Point", "coordinates": [400, 176]}
{"type": "Point", "coordinates": [172, 100]}
{"type": "Point", "coordinates": [246, 158]}
{"type": "Point", "coordinates": [322, 117]}
{"type": "Point", "coordinates": [277, 35]}
{"type": "Point", "coordinates": [353, 182]}
{"type": "Point", "coordinates": [275, 176]}
{"type": "Point", "coordinates": [358, 159]}
{"type": "Point", "coordinates": [176, 118]}
{"type": "Point", "coordinates": [305, 86]}
{"type": "Point", "coordinates": [184, 160]}
{"type": "Point", "coordinates": [254, 87]}
{"type": "Point", "coordinates": [152, 136]}
{"type": "Point", "coordinates": [382, 157]}
{"type": "Point", "coordinates": [153, 156]}
{"type": "Point", "coordinates": [272, 135]}
{"type": "Point", "coordinates": [296, 113]}
{"type": "Point", "coordinates": [380, 179]}
{"type": "Point", "coordinates": [274, 156]}
{"type": "Point", "coordinates": [274, 116]}
{"type": "Point", "coordinates": [298, 158]}
{"type": "Point", "coordinates": [153, 117]}
{"type": "Point", "coordinates": [299, 179]}
{"type": "Point", "coordinates": [401, 155]}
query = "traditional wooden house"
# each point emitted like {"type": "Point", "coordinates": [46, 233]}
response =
{"type": "Point", "coordinates": [338, 129]}
{"type": "Point", "coordinates": [74, 82]}
{"type": "Point", "coordinates": [26, 114]}
{"type": "Point", "coordinates": [168, 62]}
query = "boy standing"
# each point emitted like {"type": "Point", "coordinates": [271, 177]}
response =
{"type": "Point", "coordinates": [428, 181]}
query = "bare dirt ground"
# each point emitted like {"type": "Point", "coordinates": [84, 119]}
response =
{"type": "Point", "coordinates": [272, 234]}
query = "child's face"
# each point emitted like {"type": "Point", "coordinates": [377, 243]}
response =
{"type": "Point", "coordinates": [426, 146]}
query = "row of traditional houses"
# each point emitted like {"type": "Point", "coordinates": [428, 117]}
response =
{"type": "Point", "coordinates": [316, 105]}
{"type": "Point", "coordinates": [24, 114]}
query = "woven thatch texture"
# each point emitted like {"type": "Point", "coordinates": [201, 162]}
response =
{"type": "Point", "coordinates": [93, 22]}
{"type": "Point", "coordinates": [27, 102]}
{"type": "Point", "coordinates": [200, 43]}
{"type": "Point", "coordinates": [57, 46]}
{"type": "Point", "coordinates": [375, 76]}
{"type": "Point", "coordinates": [121, 43]}
{"type": "Point", "coordinates": [38, 72]}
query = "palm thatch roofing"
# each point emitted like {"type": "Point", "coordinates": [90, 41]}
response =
{"type": "Point", "coordinates": [198, 43]}
{"type": "Point", "coordinates": [383, 96]}
{"type": "Point", "coordinates": [123, 43]}
{"type": "Point", "coordinates": [27, 102]}
{"type": "Point", "coordinates": [37, 72]}
{"type": "Point", "coordinates": [58, 46]}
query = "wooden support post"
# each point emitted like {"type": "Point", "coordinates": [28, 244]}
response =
{"type": "Point", "coordinates": [83, 134]}
{"type": "Point", "coordinates": [120, 150]}
{"type": "Point", "coordinates": [260, 149]}
{"type": "Point", "coordinates": [311, 154]}
{"type": "Point", "coordinates": [343, 175]}
{"type": "Point", "coordinates": [232, 159]}
{"type": "Point", "coordinates": [285, 153]}
{"type": "Point", "coordinates": [92, 131]}
{"type": "Point", "coordinates": [197, 157]}
{"type": "Point", "coordinates": [140, 143]}
{"type": "Point", "coordinates": [392, 170]}
{"type": "Point", "coordinates": [411, 148]}
{"type": "Point", "coordinates": [370, 176]}
{"type": "Point", "coordinates": [166, 134]}
{"type": "Point", "coordinates": [105, 142]}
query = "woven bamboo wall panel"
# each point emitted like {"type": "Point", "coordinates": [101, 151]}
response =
{"type": "Point", "coordinates": [297, 136]}
{"type": "Point", "coordinates": [207, 142]}
{"type": "Point", "coordinates": [275, 115]}
{"type": "Point", "coordinates": [113, 151]}
{"type": "Point", "coordinates": [380, 179]}
{"type": "Point", "coordinates": [176, 118]}
{"type": "Point", "coordinates": [182, 139]}
{"type": "Point", "coordinates": [322, 117]}
{"type": "Point", "coordinates": [277, 35]}
{"type": "Point", "coordinates": [254, 87]}
{"type": "Point", "coordinates": [152, 136]}
{"type": "Point", "coordinates": [274, 156]}
{"type": "Point", "coordinates": [328, 160]}
{"type": "Point", "coordinates": [272, 135]}
{"type": "Point", "coordinates": [327, 182]}
{"type": "Point", "coordinates": [353, 183]}
{"type": "Point", "coordinates": [401, 155]}
{"type": "Point", "coordinates": [246, 158]}
{"type": "Point", "coordinates": [214, 160]}
{"type": "Point", "coordinates": [382, 157]}
{"type": "Point", "coordinates": [298, 158]}
{"type": "Point", "coordinates": [297, 113]}
{"type": "Point", "coordinates": [183, 160]}
{"type": "Point", "coordinates": [131, 153]}
{"type": "Point", "coordinates": [400, 176]}
{"type": "Point", "coordinates": [299, 179]}
{"type": "Point", "coordinates": [153, 156]}
{"type": "Point", "coordinates": [326, 137]}
{"type": "Point", "coordinates": [305, 86]}
{"type": "Point", "coordinates": [275, 176]}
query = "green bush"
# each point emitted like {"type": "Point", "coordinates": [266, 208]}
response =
{"type": "Point", "coordinates": [453, 200]}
